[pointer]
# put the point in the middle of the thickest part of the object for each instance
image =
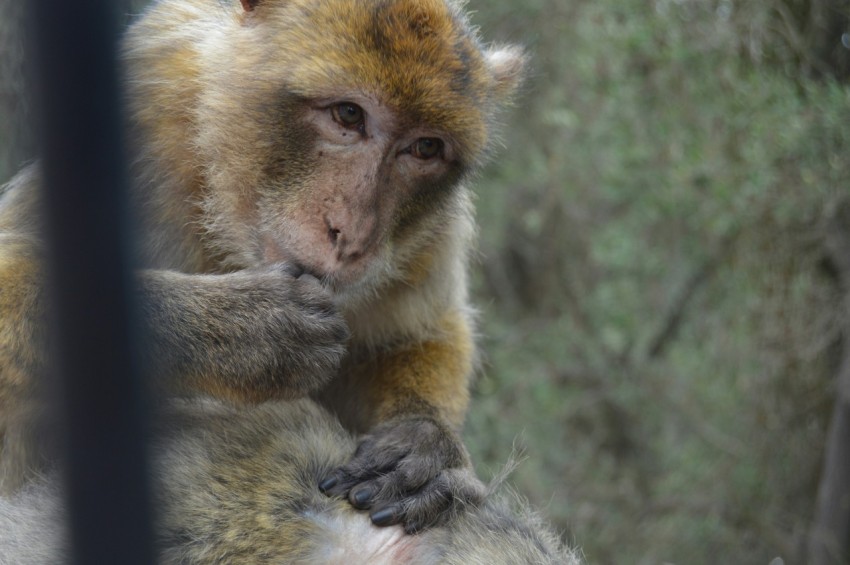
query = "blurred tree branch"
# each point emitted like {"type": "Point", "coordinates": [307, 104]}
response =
{"type": "Point", "coordinates": [672, 321]}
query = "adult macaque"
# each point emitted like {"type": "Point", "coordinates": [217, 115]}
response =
{"type": "Point", "coordinates": [299, 170]}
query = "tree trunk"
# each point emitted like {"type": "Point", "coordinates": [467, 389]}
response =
{"type": "Point", "coordinates": [829, 537]}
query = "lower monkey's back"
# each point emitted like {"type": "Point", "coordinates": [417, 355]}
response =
{"type": "Point", "coordinates": [247, 481]}
{"type": "Point", "coordinates": [239, 485]}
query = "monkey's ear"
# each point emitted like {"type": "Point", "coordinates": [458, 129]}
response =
{"type": "Point", "coordinates": [249, 5]}
{"type": "Point", "coordinates": [507, 65]}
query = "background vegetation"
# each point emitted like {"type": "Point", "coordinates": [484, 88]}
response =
{"type": "Point", "coordinates": [662, 297]}
{"type": "Point", "coordinates": [660, 309]}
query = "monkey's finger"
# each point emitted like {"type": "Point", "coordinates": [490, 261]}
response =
{"type": "Point", "coordinates": [439, 501]}
{"type": "Point", "coordinates": [372, 459]}
{"type": "Point", "coordinates": [387, 516]}
{"type": "Point", "coordinates": [309, 279]}
{"type": "Point", "coordinates": [336, 484]}
{"type": "Point", "coordinates": [394, 489]}
{"type": "Point", "coordinates": [410, 475]}
{"type": "Point", "coordinates": [326, 484]}
{"type": "Point", "coordinates": [292, 269]}
{"type": "Point", "coordinates": [342, 481]}
{"type": "Point", "coordinates": [340, 484]}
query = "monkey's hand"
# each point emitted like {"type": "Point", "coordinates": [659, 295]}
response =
{"type": "Point", "coordinates": [249, 335]}
{"type": "Point", "coordinates": [411, 470]}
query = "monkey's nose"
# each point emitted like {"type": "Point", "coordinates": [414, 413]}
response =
{"type": "Point", "coordinates": [348, 249]}
{"type": "Point", "coordinates": [351, 235]}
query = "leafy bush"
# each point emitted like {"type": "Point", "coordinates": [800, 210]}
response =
{"type": "Point", "coordinates": [660, 321]}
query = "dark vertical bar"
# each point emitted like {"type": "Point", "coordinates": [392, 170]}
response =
{"type": "Point", "coordinates": [77, 89]}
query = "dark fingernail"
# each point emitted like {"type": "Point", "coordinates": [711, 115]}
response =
{"type": "Point", "coordinates": [384, 517]}
{"type": "Point", "coordinates": [362, 497]}
{"type": "Point", "coordinates": [328, 484]}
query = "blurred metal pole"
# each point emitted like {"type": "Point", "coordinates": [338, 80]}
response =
{"type": "Point", "coordinates": [100, 408]}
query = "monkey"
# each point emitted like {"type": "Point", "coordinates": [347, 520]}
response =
{"type": "Point", "coordinates": [301, 171]}
{"type": "Point", "coordinates": [240, 486]}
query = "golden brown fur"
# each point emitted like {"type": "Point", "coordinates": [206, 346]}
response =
{"type": "Point", "coordinates": [286, 251]}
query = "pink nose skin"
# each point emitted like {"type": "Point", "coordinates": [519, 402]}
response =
{"type": "Point", "coordinates": [351, 238]}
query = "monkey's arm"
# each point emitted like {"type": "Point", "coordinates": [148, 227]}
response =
{"type": "Point", "coordinates": [247, 336]}
{"type": "Point", "coordinates": [412, 466]}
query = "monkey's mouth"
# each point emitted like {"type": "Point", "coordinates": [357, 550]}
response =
{"type": "Point", "coordinates": [337, 278]}
{"type": "Point", "coordinates": [332, 282]}
{"type": "Point", "coordinates": [334, 275]}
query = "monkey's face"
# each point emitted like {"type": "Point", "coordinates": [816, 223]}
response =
{"type": "Point", "coordinates": [340, 139]}
{"type": "Point", "coordinates": [367, 182]}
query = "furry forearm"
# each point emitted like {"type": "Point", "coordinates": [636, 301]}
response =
{"type": "Point", "coordinates": [249, 335]}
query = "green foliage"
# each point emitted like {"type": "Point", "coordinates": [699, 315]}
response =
{"type": "Point", "coordinates": [659, 326]}
{"type": "Point", "coordinates": [16, 139]}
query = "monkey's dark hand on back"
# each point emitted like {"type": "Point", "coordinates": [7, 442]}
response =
{"type": "Point", "coordinates": [412, 471]}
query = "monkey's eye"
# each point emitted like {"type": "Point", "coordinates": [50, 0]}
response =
{"type": "Point", "coordinates": [426, 148]}
{"type": "Point", "coordinates": [349, 115]}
